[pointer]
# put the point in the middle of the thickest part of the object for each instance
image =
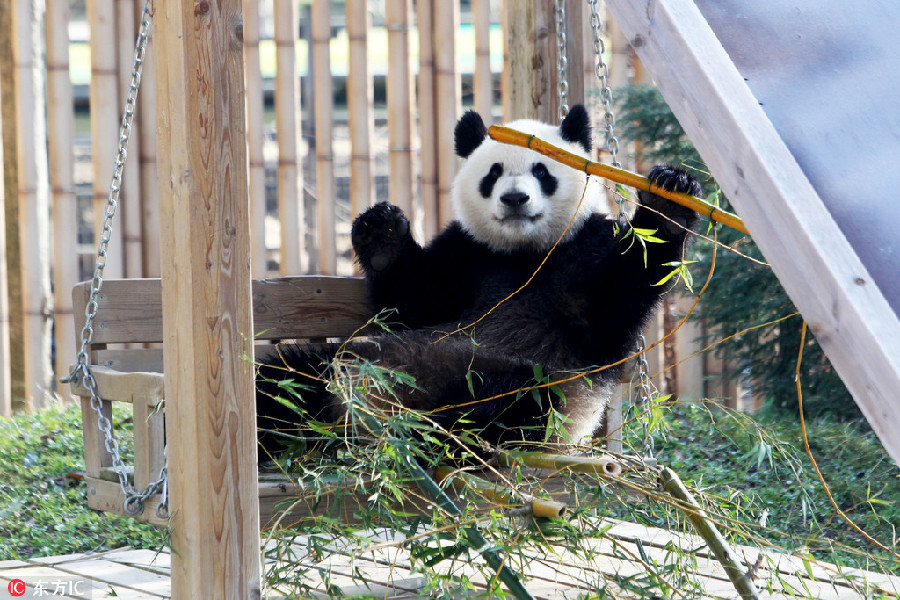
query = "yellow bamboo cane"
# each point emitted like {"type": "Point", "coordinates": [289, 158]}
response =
{"type": "Point", "coordinates": [505, 135]}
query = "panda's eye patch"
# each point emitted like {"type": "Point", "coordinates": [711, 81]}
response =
{"type": "Point", "coordinates": [539, 170]}
{"type": "Point", "coordinates": [487, 182]}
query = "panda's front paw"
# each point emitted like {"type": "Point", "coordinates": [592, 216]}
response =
{"type": "Point", "coordinates": [378, 236]}
{"type": "Point", "coordinates": [676, 218]}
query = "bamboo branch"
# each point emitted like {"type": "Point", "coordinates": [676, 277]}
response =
{"type": "Point", "coordinates": [506, 135]}
{"type": "Point", "coordinates": [670, 482]}
{"type": "Point", "coordinates": [499, 493]}
{"type": "Point", "coordinates": [594, 465]}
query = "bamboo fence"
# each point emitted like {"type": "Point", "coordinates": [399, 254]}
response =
{"type": "Point", "coordinates": [5, 373]}
{"type": "Point", "coordinates": [424, 99]}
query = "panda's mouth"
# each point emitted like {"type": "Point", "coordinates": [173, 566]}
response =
{"type": "Point", "coordinates": [519, 218]}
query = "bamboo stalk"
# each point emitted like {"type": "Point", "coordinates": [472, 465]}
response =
{"type": "Point", "coordinates": [360, 107]}
{"type": "Point", "coordinates": [670, 482]}
{"type": "Point", "coordinates": [427, 121]}
{"type": "Point", "coordinates": [149, 195]}
{"type": "Point", "coordinates": [287, 121]}
{"type": "Point", "coordinates": [605, 466]}
{"type": "Point", "coordinates": [398, 17]}
{"type": "Point", "coordinates": [106, 112]}
{"type": "Point", "coordinates": [324, 108]}
{"type": "Point", "coordinates": [482, 84]}
{"type": "Point", "coordinates": [506, 135]}
{"type": "Point", "coordinates": [61, 121]}
{"type": "Point", "coordinates": [448, 101]}
{"type": "Point", "coordinates": [255, 136]}
{"type": "Point", "coordinates": [501, 494]}
{"type": "Point", "coordinates": [33, 201]}
{"type": "Point", "coordinates": [129, 205]}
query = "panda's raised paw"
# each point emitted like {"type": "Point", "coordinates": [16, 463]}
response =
{"type": "Point", "coordinates": [378, 236]}
{"type": "Point", "coordinates": [675, 180]}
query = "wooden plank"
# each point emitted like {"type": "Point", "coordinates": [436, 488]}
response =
{"type": "Point", "coordinates": [820, 270]}
{"type": "Point", "coordinates": [205, 240]}
{"type": "Point", "coordinates": [287, 307]}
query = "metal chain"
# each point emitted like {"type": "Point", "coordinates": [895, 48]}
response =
{"type": "Point", "coordinates": [609, 119]}
{"type": "Point", "coordinates": [644, 391]}
{"type": "Point", "coordinates": [562, 62]}
{"type": "Point", "coordinates": [134, 499]}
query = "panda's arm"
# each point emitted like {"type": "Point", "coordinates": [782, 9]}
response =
{"type": "Point", "coordinates": [427, 285]}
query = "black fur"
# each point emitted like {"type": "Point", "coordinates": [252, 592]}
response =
{"type": "Point", "coordinates": [583, 309]}
{"type": "Point", "coordinates": [469, 133]}
{"type": "Point", "coordinates": [576, 127]}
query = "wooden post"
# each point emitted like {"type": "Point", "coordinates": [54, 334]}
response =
{"type": "Point", "coordinates": [287, 122]}
{"type": "Point", "coordinates": [324, 109]}
{"type": "Point", "coordinates": [11, 207]}
{"type": "Point", "coordinates": [207, 324]}
{"type": "Point", "coordinates": [61, 144]}
{"type": "Point", "coordinates": [149, 194]}
{"type": "Point", "coordinates": [360, 108]}
{"type": "Point", "coordinates": [33, 201]}
{"type": "Point", "coordinates": [398, 16]}
{"type": "Point", "coordinates": [255, 136]}
{"type": "Point", "coordinates": [5, 383]}
{"type": "Point", "coordinates": [530, 69]}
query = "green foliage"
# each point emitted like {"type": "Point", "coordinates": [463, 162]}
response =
{"type": "Point", "coordinates": [43, 511]}
{"type": "Point", "coordinates": [743, 293]}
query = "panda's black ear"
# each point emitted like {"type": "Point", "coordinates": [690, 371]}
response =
{"type": "Point", "coordinates": [469, 133]}
{"type": "Point", "coordinates": [576, 127]}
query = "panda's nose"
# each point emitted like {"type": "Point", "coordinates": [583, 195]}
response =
{"type": "Point", "coordinates": [514, 199]}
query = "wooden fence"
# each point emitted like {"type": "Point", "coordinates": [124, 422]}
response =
{"type": "Point", "coordinates": [397, 146]}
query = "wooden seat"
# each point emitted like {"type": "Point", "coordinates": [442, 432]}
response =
{"type": "Point", "coordinates": [129, 317]}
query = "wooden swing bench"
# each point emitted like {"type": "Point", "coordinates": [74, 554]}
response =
{"type": "Point", "coordinates": [129, 313]}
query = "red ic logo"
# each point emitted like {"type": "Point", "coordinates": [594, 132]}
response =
{"type": "Point", "coordinates": [16, 588]}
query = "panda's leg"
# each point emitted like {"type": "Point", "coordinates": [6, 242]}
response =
{"type": "Point", "coordinates": [292, 388]}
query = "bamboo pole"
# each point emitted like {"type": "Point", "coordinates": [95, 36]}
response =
{"type": "Point", "coordinates": [605, 466]}
{"type": "Point", "coordinates": [324, 108]}
{"type": "Point", "coordinates": [255, 137]}
{"type": "Point", "coordinates": [483, 85]}
{"type": "Point", "coordinates": [33, 200]}
{"type": "Point", "coordinates": [448, 101]}
{"type": "Point", "coordinates": [670, 482]}
{"type": "Point", "coordinates": [149, 193]}
{"type": "Point", "coordinates": [205, 242]}
{"type": "Point", "coordinates": [105, 114]}
{"type": "Point", "coordinates": [12, 246]}
{"type": "Point", "coordinates": [129, 205]}
{"type": "Point", "coordinates": [500, 494]}
{"type": "Point", "coordinates": [360, 107]}
{"type": "Point", "coordinates": [506, 135]}
{"type": "Point", "coordinates": [5, 373]}
{"type": "Point", "coordinates": [60, 145]}
{"type": "Point", "coordinates": [427, 121]}
{"type": "Point", "coordinates": [401, 183]}
{"type": "Point", "coordinates": [287, 122]}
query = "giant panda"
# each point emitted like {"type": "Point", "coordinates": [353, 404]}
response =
{"type": "Point", "coordinates": [531, 283]}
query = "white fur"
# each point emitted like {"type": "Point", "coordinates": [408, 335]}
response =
{"type": "Point", "coordinates": [541, 221]}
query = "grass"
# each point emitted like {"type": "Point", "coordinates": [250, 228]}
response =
{"type": "Point", "coordinates": [43, 511]}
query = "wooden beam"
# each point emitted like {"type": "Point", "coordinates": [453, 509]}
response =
{"type": "Point", "coordinates": [820, 270]}
{"type": "Point", "coordinates": [205, 241]}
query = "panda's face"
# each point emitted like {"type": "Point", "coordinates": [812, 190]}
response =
{"type": "Point", "coordinates": [512, 198]}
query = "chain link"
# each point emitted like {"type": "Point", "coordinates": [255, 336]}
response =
{"type": "Point", "coordinates": [134, 499]}
{"type": "Point", "coordinates": [562, 62]}
{"type": "Point", "coordinates": [644, 401]}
